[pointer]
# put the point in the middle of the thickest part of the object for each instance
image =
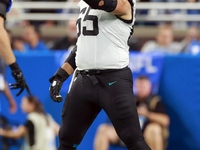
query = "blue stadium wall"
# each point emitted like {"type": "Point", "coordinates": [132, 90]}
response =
{"type": "Point", "coordinates": [179, 88]}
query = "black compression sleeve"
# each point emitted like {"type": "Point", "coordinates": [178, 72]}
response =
{"type": "Point", "coordinates": [107, 5]}
{"type": "Point", "coordinates": [3, 8]}
{"type": "Point", "coordinates": [71, 58]}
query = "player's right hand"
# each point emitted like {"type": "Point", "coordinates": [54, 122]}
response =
{"type": "Point", "coordinates": [20, 82]}
{"type": "Point", "coordinates": [54, 89]}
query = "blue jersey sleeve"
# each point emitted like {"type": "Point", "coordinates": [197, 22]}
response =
{"type": "Point", "coordinates": [10, 4]}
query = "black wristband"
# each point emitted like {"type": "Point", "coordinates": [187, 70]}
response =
{"type": "Point", "coordinates": [60, 74]}
{"type": "Point", "coordinates": [14, 66]}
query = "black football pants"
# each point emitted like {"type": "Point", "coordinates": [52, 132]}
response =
{"type": "Point", "coordinates": [93, 91]}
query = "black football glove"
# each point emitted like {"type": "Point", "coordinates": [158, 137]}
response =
{"type": "Point", "coordinates": [54, 89]}
{"type": "Point", "coordinates": [19, 78]}
{"type": "Point", "coordinates": [56, 84]}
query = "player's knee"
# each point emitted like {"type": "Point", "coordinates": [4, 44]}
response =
{"type": "Point", "coordinates": [139, 145]}
{"type": "Point", "coordinates": [130, 136]}
{"type": "Point", "coordinates": [61, 134]}
{"type": "Point", "coordinates": [65, 147]}
{"type": "Point", "coordinates": [67, 139]}
{"type": "Point", "coordinates": [66, 143]}
{"type": "Point", "coordinates": [133, 139]}
{"type": "Point", "coordinates": [153, 129]}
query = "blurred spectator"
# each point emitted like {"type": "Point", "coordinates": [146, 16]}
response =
{"type": "Point", "coordinates": [18, 44]}
{"type": "Point", "coordinates": [5, 88]}
{"type": "Point", "coordinates": [152, 115]}
{"type": "Point", "coordinates": [164, 41]}
{"type": "Point", "coordinates": [41, 11]}
{"type": "Point", "coordinates": [68, 42]}
{"type": "Point", "coordinates": [191, 35]}
{"type": "Point", "coordinates": [32, 37]}
{"type": "Point", "coordinates": [39, 130]}
{"type": "Point", "coordinates": [193, 47]}
{"type": "Point", "coordinates": [6, 143]}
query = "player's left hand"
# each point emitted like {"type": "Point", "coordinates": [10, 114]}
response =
{"type": "Point", "coordinates": [55, 90]}
{"type": "Point", "coordinates": [20, 82]}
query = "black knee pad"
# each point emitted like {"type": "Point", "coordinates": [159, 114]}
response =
{"type": "Point", "coordinates": [140, 145]}
{"type": "Point", "coordinates": [133, 139]}
{"type": "Point", "coordinates": [64, 146]}
{"type": "Point", "coordinates": [130, 136]}
{"type": "Point", "coordinates": [67, 142]}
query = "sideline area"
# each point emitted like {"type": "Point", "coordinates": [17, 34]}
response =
{"type": "Point", "coordinates": [179, 89]}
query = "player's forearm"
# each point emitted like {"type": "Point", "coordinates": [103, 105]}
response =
{"type": "Point", "coordinates": [5, 48]}
{"type": "Point", "coordinates": [159, 118]}
{"type": "Point", "coordinates": [68, 68]}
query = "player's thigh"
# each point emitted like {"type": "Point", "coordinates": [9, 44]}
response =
{"type": "Point", "coordinates": [124, 117]}
{"type": "Point", "coordinates": [77, 114]}
{"type": "Point", "coordinates": [118, 100]}
{"type": "Point", "coordinates": [123, 113]}
{"type": "Point", "coordinates": [120, 106]}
